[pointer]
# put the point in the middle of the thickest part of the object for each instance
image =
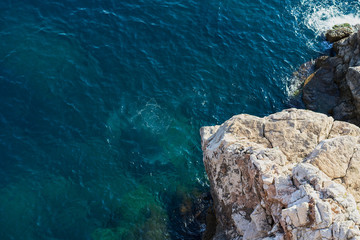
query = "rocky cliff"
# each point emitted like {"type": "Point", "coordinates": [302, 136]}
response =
{"type": "Point", "coordinates": [334, 87]}
{"type": "Point", "coordinates": [290, 175]}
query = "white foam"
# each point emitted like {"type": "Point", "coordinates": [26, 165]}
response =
{"type": "Point", "coordinates": [312, 19]}
{"type": "Point", "coordinates": [320, 16]}
{"type": "Point", "coordinates": [321, 19]}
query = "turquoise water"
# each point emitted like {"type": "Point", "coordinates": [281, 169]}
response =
{"type": "Point", "coordinates": [101, 104]}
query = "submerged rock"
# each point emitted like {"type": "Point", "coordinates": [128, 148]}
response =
{"type": "Point", "coordinates": [290, 175]}
{"type": "Point", "coordinates": [300, 76]}
{"type": "Point", "coordinates": [210, 230]}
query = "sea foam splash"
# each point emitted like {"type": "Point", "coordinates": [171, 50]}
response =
{"type": "Point", "coordinates": [320, 16]}
{"type": "Point", "coordinates": [312, 20]}
{"type": "Point", "coordinates": [322, 19]}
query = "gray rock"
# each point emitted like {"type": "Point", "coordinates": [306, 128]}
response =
{"type": "Point", "coordinates": [321, 93]}
{"type": "Point", "coordinates": [353, 81]}
{"type": "Point", "coordinates": [320, 61]}
{"type": "Point", "coordinates": [338, 33]}
{"type": "Point", "coordinates": [334, 87]}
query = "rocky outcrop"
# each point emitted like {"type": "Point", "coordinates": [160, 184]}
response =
{"type": "Point", "coordinates": [338, 32]}
{"type": "Point", "coordinates": [333, 87]}
{"type": "Point", "coordinates": [290, 175]}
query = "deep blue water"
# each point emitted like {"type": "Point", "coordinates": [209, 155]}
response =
{"type": "Point", "coordinates": [101, 104]}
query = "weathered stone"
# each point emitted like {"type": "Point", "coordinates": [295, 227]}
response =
{"type": "Point", "coordinates": [352, 175]}
{"type": "Point", "coordinates": [333, 156]}
{"type": "Point", "coordinates": [353, 81]}
{"type": "Point", "coordinates": [321, 93]}
{"type": "Point", "coordinates": [340, 229]}
{"type": "Point", "coordinates": [334, 87]}
{"type": "Point", "coordinates": [295, 132]}
{"type": "Point", "coordinates": [291, 175]}
{"type": "Point", "coordinates": [207, 132]}
{"type": "Point", "coordinates": [296, 216]}
{"type": "Point", "coordinates": [323, 215]}
{"type": "Point", "coordinates": [338, 33]}
{"type": "Point", "coordinates": [320, 61]}
{"type": "Point", "coordinates": [344, 129]}
{"type": "Point", "coordinates": [346, 111]}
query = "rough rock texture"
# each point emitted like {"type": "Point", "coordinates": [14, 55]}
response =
{"type": "Point", "coordinates": [353, 81]}
{"type": "Point", "coordinates": [290, 175]}
{"type": "Point", "coordinates": [321, 92]}
{"type": "Point", "coordinates": [334, 86]}
{"type": "Point", "coordinates": [338, 32]}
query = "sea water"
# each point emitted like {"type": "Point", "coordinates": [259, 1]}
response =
{"type": "Point", "coordinates": [101, 104]}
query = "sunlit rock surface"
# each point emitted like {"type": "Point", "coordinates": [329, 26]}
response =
{"type": "Point", "coordinates": [290, 175]}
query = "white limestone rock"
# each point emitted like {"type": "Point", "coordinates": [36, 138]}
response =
{"type": "Point", "coordinates": [332, 156]}
{"type": "Point", "coordinates": [291, 175]}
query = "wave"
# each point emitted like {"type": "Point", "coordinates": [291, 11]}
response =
{"type": "Point", "coordinates": [313, 18]}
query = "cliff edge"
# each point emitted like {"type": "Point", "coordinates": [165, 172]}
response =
{"type": "Point", "coordinates": [334, 86]}
{"type": "Point", "coordinates": [290, 175]}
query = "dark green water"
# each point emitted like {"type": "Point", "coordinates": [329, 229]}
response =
{"type": "Point", "coordinates": [101, 104]}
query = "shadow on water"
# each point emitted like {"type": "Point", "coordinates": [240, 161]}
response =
{"type": "Point", "coordinates": [187, 213]}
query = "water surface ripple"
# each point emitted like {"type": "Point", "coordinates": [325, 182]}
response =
{"type": "Point", "coordinates": [101, 104]}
